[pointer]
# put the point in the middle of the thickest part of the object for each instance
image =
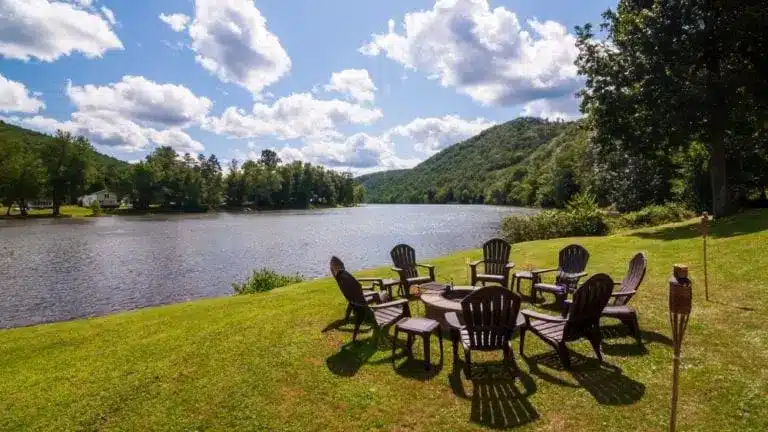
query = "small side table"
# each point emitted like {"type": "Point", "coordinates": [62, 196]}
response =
{"type": "Point", "coordinates": [527, 275]}
{"type": "Point", "coordinates": [387, 284]}
{"type": "Point", "coordinates": [423, 327]}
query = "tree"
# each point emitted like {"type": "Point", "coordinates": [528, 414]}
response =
{"type": "Point", "coordinates": [269, 159]}
{"type": "Point", "coordinates": [69, 166]}
{"type": "Point", "coordinates": [22, 176]}
{"type": "Point", "coordinates": [674, 72]}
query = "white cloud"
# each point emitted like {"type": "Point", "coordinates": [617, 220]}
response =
{"type": "Point", "coordinates": [109, 15]}
{"type": "Point", "coordinates": [143, 101]}
{"type": "Point", "coordinates": [356, 83]}
{"type": "Point", "coordinates": [177, 139]}
{"type": "Point", "coordinates": [430, 135]}
{"type": "Point", "coordinates": [46, 30]}
{"type": "Point", "coordinates": [178, 22]}
{"type": "Point", "coordinates": [231, 40]}
{"type": "Point", "coordinates": [296, 116]}
{"type": "Point", "coordinates": [360, 153]}
{"type": "Point", "coordinates": [84, 3]}
{"type": "Point", "coordinates": [563, 108]}
{"type": "Point", "coordinates": [130, 115]}
{"type": "Point", "coordinates": [484, 53]}
{"type": "Point", "coordinates": [14, 97]}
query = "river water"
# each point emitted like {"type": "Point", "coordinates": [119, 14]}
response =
{"type": "Point", "coordinates": [52, 270]}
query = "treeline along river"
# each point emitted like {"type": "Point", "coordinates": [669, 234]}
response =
{"type": "Point", "coordinates": [58, 269]}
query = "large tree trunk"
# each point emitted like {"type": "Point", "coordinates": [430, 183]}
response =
{"type": "Point", "coordinates": [721, 200]}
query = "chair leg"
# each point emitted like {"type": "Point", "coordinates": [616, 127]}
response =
{"type": "Point", "coordinates": [634, 327]}
{"type": "Point", "coordinates": [595, 338]}
{"type": "Point", "coordinates": [565, 356]}
{"type": "Point", "coordinates": [410, 345]}
{"type": "Point", "coordinates": [440, 342]}
{"type": "Point", "coordinates": [358, 321]}
{"type": "Point", "coordinates": [349, 312]}
{"type": "Point", "coordinates": [455, 340]}
{"type": "Point", "coordinates": [427, 360]}
{"type": "Point", "coordinates": [394, 342]}
{"type": "Point", "coordinates": [522, 339]}
{"type": "Point", "coordinates": [509, 358]}
{"type": "Point", "coordinates": [468, 363]}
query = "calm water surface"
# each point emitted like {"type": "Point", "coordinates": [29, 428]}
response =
{"type": "Point", "coordinates": [54, 270]}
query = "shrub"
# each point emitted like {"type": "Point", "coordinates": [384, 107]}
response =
{"type": "Point", "coordinates": [95, 208]}
{"type": "Point", "coordinates": [265, 280]}
{"type": "Point", "coordinates": [581, 217]}
{"type": "Point", "coordinates": [654, 215]}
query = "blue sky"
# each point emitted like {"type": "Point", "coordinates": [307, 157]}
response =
{"type": "Point", "coordinates": [332, 82]}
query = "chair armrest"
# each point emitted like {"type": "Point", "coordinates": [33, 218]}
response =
{"type": "Point", "coordinates": [537, 272]}
{"type": "Point", "coordinates": [527, 313]}
{"type": "Point", "coordinates": [453, 320]}
{"type": "Point", "coordinates": [476, 263]}
{"type": "Point", "coordinates": [428, 266]}
{"type": "Point", "coordinates": [389, 304]}
{"type": "Point", "coordinates": [370, 279]}
{"type": "Point", "coordinates": [509, 266]}
{"type": "Point", "coordinates": [396, 269]}
{"type": "Point", "coordinates": [623, 294]}
{"type": "Point", "coordinates": [616, 283]}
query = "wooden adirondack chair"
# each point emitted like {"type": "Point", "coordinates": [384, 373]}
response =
{"type": "Point", "coordinates": [405, 265]}
{"type": "Point", "coordinates": [371, 296]}
{"type": "Point", "coordinates": [571, 264]}
{"type": "Point", "coordinates": [628, 287]}
{"type": "Point", "coordinates": [581, 321]}
{"type": "Point", "coordinates": [381, 315]}
{"type": "Point", "coordinates": [490, 319]}
{"type": "Point", "coordinates": [496, 261]}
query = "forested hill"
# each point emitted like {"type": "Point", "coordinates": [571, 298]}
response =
{"type": "Point", "coordinates": [11, 133]}
{"type": "Point", "coordinates": [526, 161]}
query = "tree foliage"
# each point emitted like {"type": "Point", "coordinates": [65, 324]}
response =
{"type": "Point", "coordinates": [673, 73]}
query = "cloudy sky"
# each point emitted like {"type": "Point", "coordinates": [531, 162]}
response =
{"type": "Point", "coordinates": [361, 85]}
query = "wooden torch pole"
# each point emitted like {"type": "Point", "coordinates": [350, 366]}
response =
{"type": "Point", "coordinates": [705, 234]}
{"type": "Point", "coordinates": [680, 301]}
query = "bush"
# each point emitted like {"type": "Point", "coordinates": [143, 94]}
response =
{"type": "Point", "coordinates": [265, 280]}
{"type": "Point", "coordinates": [581, 217]}
{"type": "Point", "coordinates": [95, 208]}
{"type": "Point", "coordinates": [654, 215]}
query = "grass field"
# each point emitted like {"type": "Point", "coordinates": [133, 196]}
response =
{"type": "Point", "coordinates": [282, 361]}
{"type": "Point", "coordinates": [66, 211]}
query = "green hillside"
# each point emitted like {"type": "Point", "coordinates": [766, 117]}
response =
{"type": "Point", "coordinates": [9, 132]}
{"type": "Point", "coordinates": [511, 163]}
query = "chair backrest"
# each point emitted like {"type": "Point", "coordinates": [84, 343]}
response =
{"type": "Point", "coordinates": [496, 254]}
{"type": "Point", "coordinates": [634, 277]}
{"type": "Point", "coordinates": [351, 288]}
{"type": "Point", "coordinates": [588, 303]}
{"type": "Point", "coordinates": [404, 257]}
{"type": "Point", "coordinates": [490, 316]}
{"type": "Point", "coordinates": [336, 265]}
{"type": "Point", "coordinates": [573, 259]}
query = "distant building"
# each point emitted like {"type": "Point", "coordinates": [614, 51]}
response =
{"type": "Point", "coordinates": [40, 204]}
{"type": "Point", "coordinates": [105, 198]}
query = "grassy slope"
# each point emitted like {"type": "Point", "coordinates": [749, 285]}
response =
{"type": "Point", "coordinates": [262, 361]}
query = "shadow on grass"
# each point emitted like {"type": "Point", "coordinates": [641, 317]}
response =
{"type": "Point", "coordinates": [340, 325]}
{"type": "Point", "coordinates": [746, 223]}
{"type": "Point", "coordinates": [631, 348]}
{"type": "Point", "coordinates": [351, 357]}
{"type": "Point", "coordinates": [605, 382]}
{"type": "Point", "coordinates": [499, 400]}
{"type": "Point", "coordinates": [742, 308]}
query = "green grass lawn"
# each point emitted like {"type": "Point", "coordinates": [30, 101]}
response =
{"type": "Point", "coordinates": [66, 211]}
{"type": "Point", "coordinates": [280, 361]}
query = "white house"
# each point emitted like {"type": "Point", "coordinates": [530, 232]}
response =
{"type": "Point", "coordinates": [104, 197]}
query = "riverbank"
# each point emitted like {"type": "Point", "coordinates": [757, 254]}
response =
{"type": "Point", "coordinates": [261, 362]}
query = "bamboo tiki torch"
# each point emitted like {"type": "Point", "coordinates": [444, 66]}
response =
{"type": "Point", "coordinates": [705, 234]}
{"type": "Point", "coordinates": [680, 299]}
